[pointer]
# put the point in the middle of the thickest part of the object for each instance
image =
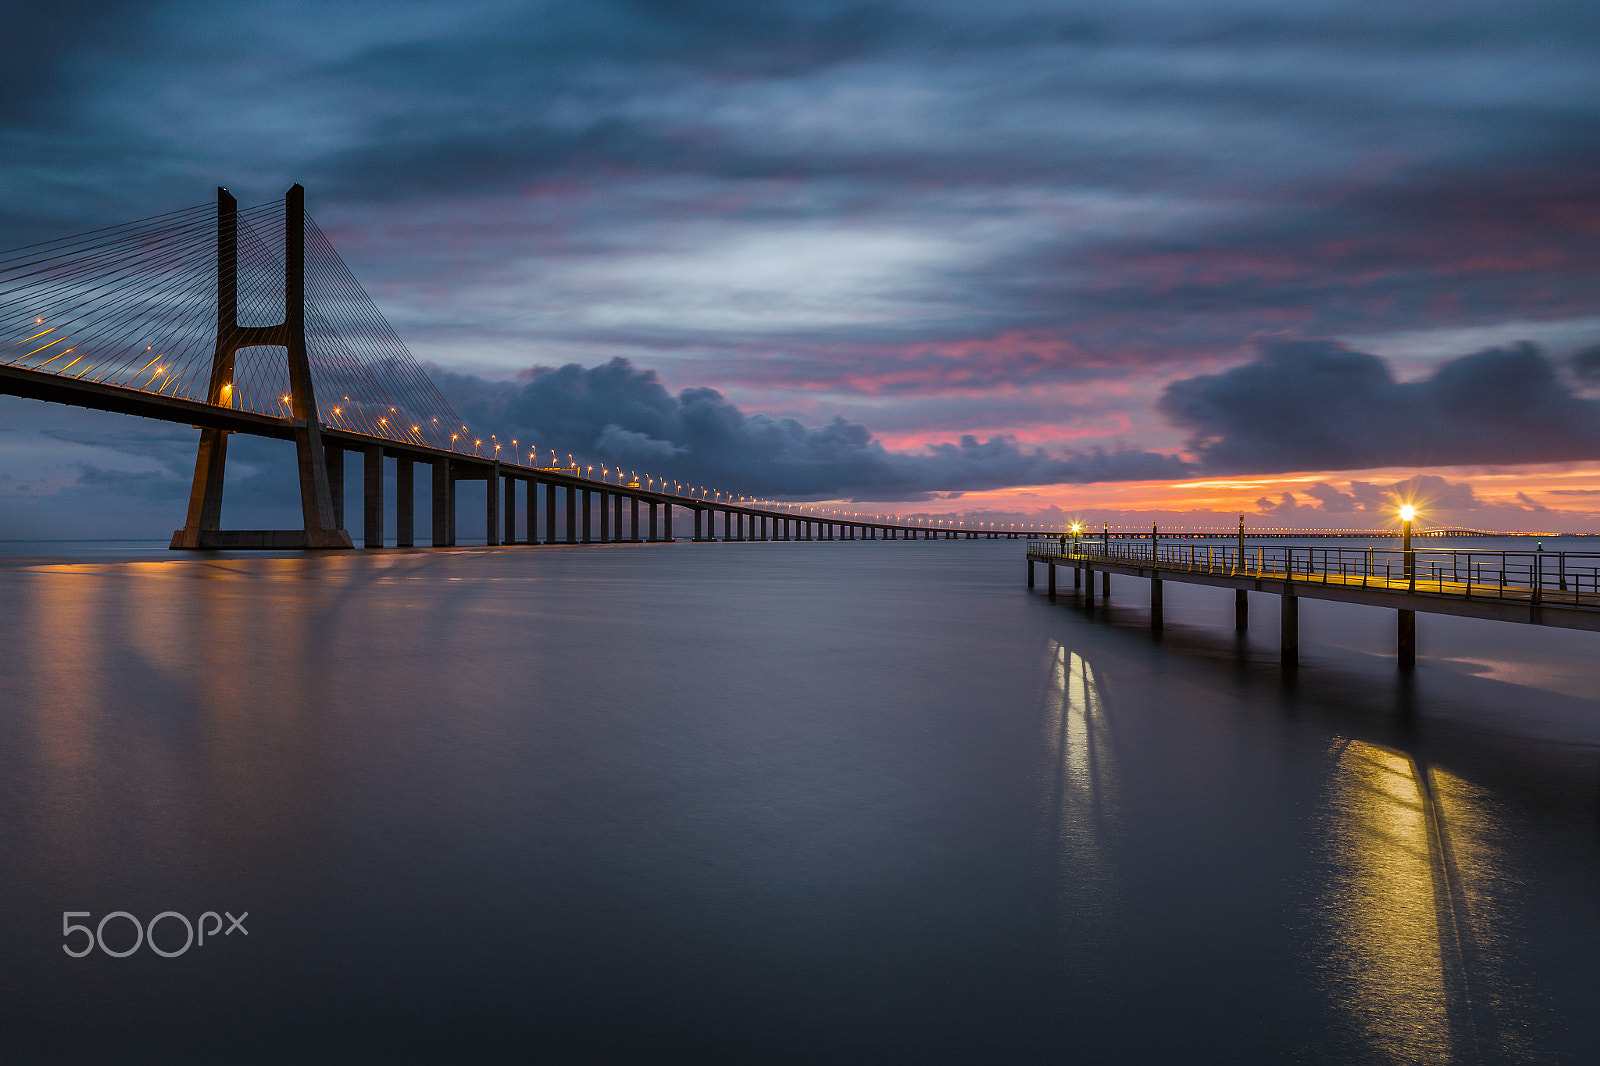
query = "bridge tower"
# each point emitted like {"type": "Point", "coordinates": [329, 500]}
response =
{"type": "Point", "coordinates": [202, 528]}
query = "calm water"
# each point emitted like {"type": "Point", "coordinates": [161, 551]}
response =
{"type": "Point", "coordinates": [755, 803]}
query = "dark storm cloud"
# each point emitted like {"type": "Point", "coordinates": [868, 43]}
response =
{"type": "Point", "coordinates": [1317, 405]}
{"type": "Point", "coordinates": [1586, 363]}
{"type": "Point", "coordinates": [619, 414]}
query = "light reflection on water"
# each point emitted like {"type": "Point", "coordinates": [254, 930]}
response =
{"type": "Point", "coordinates": [1416, 961]}
{"type": "Point", "coordinates": [1081, 789]}
{"type": "Point", "coordinates": [1394, 908]}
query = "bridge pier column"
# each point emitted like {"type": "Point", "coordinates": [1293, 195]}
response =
{"type": "Point", "coordinates": [588, 509]}
{"type": "Point", "coordinates": [1077, 579]}
{"type": "Point", "coordinates": [550, 512]}
{"type": "Point", "coordinates": [405, 514]}
{"type": "Point", "coordinates": [1241, 610]}
{"type": "Point", "coordinates": [1408, 639]}
{"type": "Point", "coordinates": [491, 506]}
{"type": "Point", "coordinates": [533, 511]}
{"type": "Point", "coordinates": [1289, 629]}
{"type": "Point", "coordinates": [333, 461]}
{"type": "Point", "coordinates": [1050, 569]}
{"type": "Point", "coordinates": [372, 496]}
{"type": "Point", "coordinates": [572, 514]}
{"type": "Point", "coordinates": [653, 537]}
{"type": "Point", "coordinates": [666, 520]}
{"type": "Point", "coordinates": [205, 496]}
{"type": "Point", "coordinates": [510, 536]}
{"type": "Point", "coordinates": [616, 517]}
{"type": "Point", "coordinates": [605, 516]}
{"type": "Point", "coordinates": [444, 504]}
{"type": "Point", "coordinates": [698, 524]}
{"type": "Point", "coordinates": [633, 505]}
{"type": "Point", "coordinates": [1088, 587]}
{"type": "Point", "coordinates": [1156, 621]}
{"type": "Point", "coordinates": [1030, 573]}
{"type": "Point", "coordinates": [1105, 585]}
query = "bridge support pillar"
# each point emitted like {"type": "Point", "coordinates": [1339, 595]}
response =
{"type": "Point", "coordinates": [1030, 573]}
{"type": "Point", "coordinates": [1105, 585]}
{"type": "Point", "coordinates": [1088, 586]}
{"type": "Point", "coordinates": [205, 496]}
{"type": "Point", "coordinates": [1156, 620]}
{"type": "Point", "coordinates": [1408, 639]}
{"type": "Point", "coordinates": [666, 518]}
{"type": "Point", "coordinates": [333, 459]}
{"type": "Point", "coordinates": [616, 517]}
{"type": "Point", "coordinates": [533, 512]}
{"type": "Point", "coordinates": [588, 509]}
{"type": "Point", "coordinates": [653, 537]}
{"type": "Point", "coordinates": [1241, 610]}
{"type": "Point", "coordinates": [633, 507]}
{"type": "Point", "coordinates": [372, 496]}
{"type": "Point", "coordinates": [1050, 570]}
{"type": "Point", "coordinates": [605, 516]}
{"type": "Point", "coordinates": [550, 512]}
{"type": "Point", "coordinates": [1289, 629]}
{"type": "Point", "coordinates": [444, 505]}
{"type": "Point", "coordinates": [510, 511]}
{"type": "Point", "coordinates": [572, 514]}
{"type": "Point", "coordinates": [699, 515]}
{"type": "Point", "coordinates": [1077, 578]}
{"type": "Point", "coordinates": [491, 517]}
{"type": "Point", "coordinates": [405, 508]}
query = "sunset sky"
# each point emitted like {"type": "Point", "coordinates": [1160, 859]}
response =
{"type": "Point", "coordinates": [1160, 259]}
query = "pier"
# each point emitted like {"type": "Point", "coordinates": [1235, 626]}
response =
{"type": "Point", "coordinates": [1560, 589]}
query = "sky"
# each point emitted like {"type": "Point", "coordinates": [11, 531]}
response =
{"type": "Point", "coordinates": [1158, 260]}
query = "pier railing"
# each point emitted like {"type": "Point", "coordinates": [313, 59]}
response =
{"type": "Point", "coordinates": [1571, 578]}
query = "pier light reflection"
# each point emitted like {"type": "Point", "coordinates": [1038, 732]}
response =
{"type": "Point", "coordinates": [1082, 790]}
{"type": "Point", "coordinates": [1408, 936]}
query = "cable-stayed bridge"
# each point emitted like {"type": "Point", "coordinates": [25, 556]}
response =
{"type": "Point", "coordinates": [248, 321]}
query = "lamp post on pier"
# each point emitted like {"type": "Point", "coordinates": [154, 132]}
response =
{"type": "Point", "coordinates": [1407, 513]}
{"type": "Point", "coordinates": [1407, 642]}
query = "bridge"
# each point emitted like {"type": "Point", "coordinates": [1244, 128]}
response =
{"type": "Point", "coordinates": [1559, 589]}
{"type": "Point", "coordinates": [205, 318]}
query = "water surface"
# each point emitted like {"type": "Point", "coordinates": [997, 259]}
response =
{"type": "Point", "coordinates": [796, 802]}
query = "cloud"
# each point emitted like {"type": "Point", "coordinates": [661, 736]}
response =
{"type": "Point", "coordinates": [1586, 363]}
{"type": "Point", "coordinates": [1432, 494]}
{"type": "Point", "coordinates": [1015, 218]}
{"type": "Point", "coordinates": [1318, 405]}
{"type": "Point", "coordinates": [617, 413]}
{"type": "Point", "coordinates": [1440, 504]}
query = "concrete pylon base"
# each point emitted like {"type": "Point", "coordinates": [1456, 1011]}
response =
{"type": "Point", "coordinates": [259, 539]}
